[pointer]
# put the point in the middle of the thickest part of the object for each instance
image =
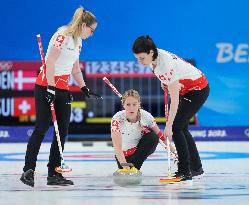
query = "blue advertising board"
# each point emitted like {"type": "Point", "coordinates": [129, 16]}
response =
{"type": "Point", "coordinates": [21, 134]}
{"type": "Point", "coordinates": [237, 133]}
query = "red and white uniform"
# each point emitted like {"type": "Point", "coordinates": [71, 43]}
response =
{"type": "Point", "coordinates": [171, 68]}
{"type": "Point", "coordinates": [64, 63]}
{"type": "Point", "coordinates": [131, 133]}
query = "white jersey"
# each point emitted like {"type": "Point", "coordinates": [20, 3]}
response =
{"type": "Point", "coordinates": [171, 68]}
{"type": "Point", "coordinates": [131, 133]}
{"type": "Point", "coordinates": [69, 52]}
{"type": "Point", "coordinates": [64, 63]}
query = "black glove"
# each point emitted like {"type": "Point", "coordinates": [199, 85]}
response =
{"type": "Point", "coordinates": [50, 94]}
{"type": "Point", "coordinates": [89, 93]}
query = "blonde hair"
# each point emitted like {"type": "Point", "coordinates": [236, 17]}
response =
{"type": "Point", "coordinates": [80, 16]}
{"type": "Point", "coordinates": [135, 94]}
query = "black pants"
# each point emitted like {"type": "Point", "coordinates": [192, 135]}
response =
{"type": "Point", "coordinates": [43, 120]}
{"type": "Point", "coordinates": [188, 155]}
{"type": "Point", "coordinates": [146, 146]}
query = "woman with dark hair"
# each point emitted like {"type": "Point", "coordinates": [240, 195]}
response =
{"type": "Point", "coordinates": [188, 89]}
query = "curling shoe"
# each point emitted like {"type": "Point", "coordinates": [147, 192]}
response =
{"type": "Point", "coordinates": [58, 180]}
{"type": "Point", "coordinates": [28, 178]}
{"type": "Point", "coordinates": [198, 174]}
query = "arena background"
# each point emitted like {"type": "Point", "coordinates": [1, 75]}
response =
{"type": "Point", "coordinates": [212, 36]}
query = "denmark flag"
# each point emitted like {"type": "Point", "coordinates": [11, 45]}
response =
{"type": "Point", "coordinates": [24, 80]}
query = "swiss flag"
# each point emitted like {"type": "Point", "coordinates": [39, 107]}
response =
{"type": "Point", "coordinates": [59, 40]}
{"type": "Point", "coordinates": [24, 106]}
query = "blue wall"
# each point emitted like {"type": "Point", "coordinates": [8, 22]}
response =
{"type": "Point", "coordinates": [191, 29]}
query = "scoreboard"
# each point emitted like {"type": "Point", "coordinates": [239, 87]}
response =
{"type": "Point", "coordinates": [17, 104]}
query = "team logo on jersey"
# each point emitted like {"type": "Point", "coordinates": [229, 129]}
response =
{"type": "Point", "coordinates": [161, 77]}
{"type": "Point", "coordinates": [59, 40]}
{"type": "Point", "coordinates": [167, 76]}
{"type": "Point", "coordinates": [115, 126]}
{"type": "Point", "coordinates": [145, 130]}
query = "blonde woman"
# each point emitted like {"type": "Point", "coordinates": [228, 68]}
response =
{"type": "Point", "coordinates": [62, 60]}
{"type": "Point", "coordinates": [188, 89]}
{"type": "Point", "coordinates": [134, 132]}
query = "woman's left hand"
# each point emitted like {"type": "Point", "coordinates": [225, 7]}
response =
{"type": "Point", "coordinates": [168, 132]}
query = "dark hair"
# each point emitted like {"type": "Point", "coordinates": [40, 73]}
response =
{"type": "Point", "coordinates": [144, 44]}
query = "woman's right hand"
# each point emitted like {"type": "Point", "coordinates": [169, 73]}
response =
{"type": "Point", "coordinates": [89, 93]}
{"type": "Point", "coordinates": [126, 165]}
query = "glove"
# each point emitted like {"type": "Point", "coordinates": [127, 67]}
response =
{"type": "Point", "coordinates": [89, 93]}
{"type": "Point", "coordinates": [50, 94]}
{"type": "Point", "coordinates": [126, 166]}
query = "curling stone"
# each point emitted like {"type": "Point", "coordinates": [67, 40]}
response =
{"type": "Point", "coordinates": [127, 177]}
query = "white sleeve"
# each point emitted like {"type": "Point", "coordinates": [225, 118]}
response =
{"type": "Point", "coordinates": [147, 119]}
{"type": "Point", "coordinates": [171, 74]}
{"type": "Point", "coordinates": [167, 71]}
{"type": "Point", "coordinates": [58, 40]}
